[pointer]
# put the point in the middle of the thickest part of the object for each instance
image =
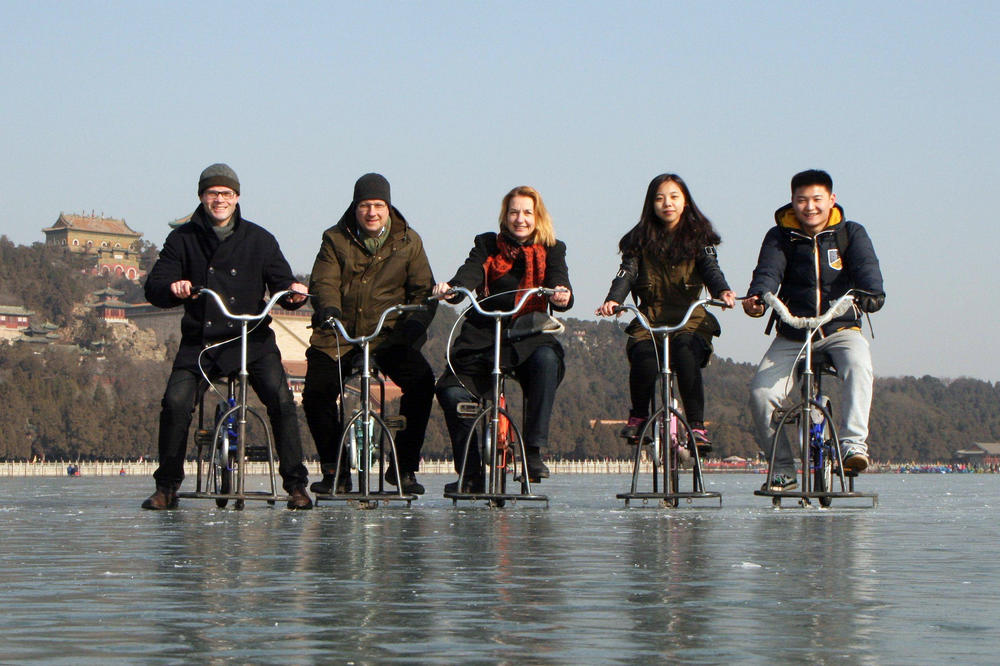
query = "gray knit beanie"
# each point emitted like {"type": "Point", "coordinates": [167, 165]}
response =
{"type": "Point", "coordinates": [218, 174]}
{"type": "Point", "coordinates": [372, 186]}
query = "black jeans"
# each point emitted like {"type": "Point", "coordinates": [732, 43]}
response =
{"type": "Point", "coordinates": [688, 355]}
{"type": "Point", "coordinates": [267, 377]}
{"type": "Point", "coordinates": [539, 375]}
{"type": "Point", "coordinates": [404, 365]}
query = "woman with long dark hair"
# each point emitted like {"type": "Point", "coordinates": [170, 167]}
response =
{"type": "Point", "coordinates": [666, 260]}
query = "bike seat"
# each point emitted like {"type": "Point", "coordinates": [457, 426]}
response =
{"type": "Point", "coordinates": [357, 363]}
{"type": "Point", "coordinates": [822, 364]}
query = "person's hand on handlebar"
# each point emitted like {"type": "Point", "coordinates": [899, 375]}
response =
{"type": "Point", "coordinates": [607, 309]}
{"type": "Point", "coordinates": [753, 306]}
{"type": "Point", "coordinates": [728, 297]}
{"type": "Point", "coordinates": [560, 299]}
{"type": "Point", "coordinates": [440, 290]}
{"type": "Point", "coordinates": [181, 289]}
{"type": "Point", "coordinates": [869, 302]}
{"type": "Point", "coordinates": [301, 292]}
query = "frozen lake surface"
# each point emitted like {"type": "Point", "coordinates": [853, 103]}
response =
{"type": "Point", "coordinates": [88, 577]}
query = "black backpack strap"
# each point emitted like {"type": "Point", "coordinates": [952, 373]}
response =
{"type": "Point", "coordinates": [770, 323]}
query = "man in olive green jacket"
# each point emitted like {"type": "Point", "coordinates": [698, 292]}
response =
{"type": "Point", "coordinates": [368, 262]}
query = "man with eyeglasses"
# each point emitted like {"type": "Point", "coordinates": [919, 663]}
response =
{"type": "Point", "coordinates": [239, 260]}
{"type": "Point", "coordinates": [369, 261]}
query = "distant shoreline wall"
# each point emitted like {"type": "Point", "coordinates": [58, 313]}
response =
{"type": "Point", "coordinates": [147, 467]}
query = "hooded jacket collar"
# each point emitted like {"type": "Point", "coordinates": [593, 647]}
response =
{"type": "Point", "coordinates": [785, 218]}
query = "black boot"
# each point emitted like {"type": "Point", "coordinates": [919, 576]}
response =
{"type": "Point", "coordinates": [165, 497]}
{"type": "Point", "coordinates": [471, 484]}
{"type": "Point", "coordinates": [536, 468]}
{"type": "Point", "coordinates": [324, 486]}
{"type": "Point", "coordinates": [408, 481]}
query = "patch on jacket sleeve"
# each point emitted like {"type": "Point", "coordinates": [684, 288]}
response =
{"type": "Point", "coordinates": [710, 250]}
{"type": "Point", "coordinates": [833, 259]}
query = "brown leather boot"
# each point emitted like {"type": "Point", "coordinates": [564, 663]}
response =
{"type": "Point", "coordinates": [165, 497]}
{"type": "Point", "coordinates": [299, 500]}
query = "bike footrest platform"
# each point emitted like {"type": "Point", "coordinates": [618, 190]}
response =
{"type": "Point", "coordinates": [779, 413]}
{"type": "Point", "coordinates": [203, 438]}
{"type": "Point", "coordinates": [365, 501]}
{"type": "Point", "coordinates": [496, 499]}
{"type": "Point", "coordinates": [804, 497]}
{"type": "Point", "coordinates": [395, 422]}
{"type": "Point", "coordinates": [257, 454]}
{"type": "Point", "coordinates": [248, 495]}
{"type": "Point", "coordinates": [669, 499]}
{"type": "Point", "coordinates": [467, 408]}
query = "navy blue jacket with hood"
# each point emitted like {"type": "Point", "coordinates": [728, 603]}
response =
{"type": "Point", "coordinates": [808, 273]}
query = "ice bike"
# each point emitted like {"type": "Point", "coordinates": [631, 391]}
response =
{"type": "Point", "coordinates": [502, 448]}
{"type": "Point", "coordinates": [823, 477]}
{"type": "Point", "coordinates": [666, 433]}
{"type": "Point", "coordinates": [238, 434]}
{"type": "Point", "coordinates": [367, 436]}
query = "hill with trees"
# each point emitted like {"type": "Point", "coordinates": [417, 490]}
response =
{"type": "Point", "coordinates": [95, 401]}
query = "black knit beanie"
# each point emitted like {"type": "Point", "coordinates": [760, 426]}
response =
{"type": "Point", "coordinates": [218, 174]}
{"type": "Point", "coordinates": [371, 186]}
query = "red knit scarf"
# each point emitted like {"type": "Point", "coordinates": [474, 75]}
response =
{"type": "Point", "coordinates": [499, 264]}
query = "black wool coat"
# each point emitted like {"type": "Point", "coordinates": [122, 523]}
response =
{"type": "Point", "coordinates": [242, 269]}
{"type": "Point", "coordinates": [472, 352]}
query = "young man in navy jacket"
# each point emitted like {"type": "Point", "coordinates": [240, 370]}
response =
{"type": "Point", "coordinates": [801, 257]}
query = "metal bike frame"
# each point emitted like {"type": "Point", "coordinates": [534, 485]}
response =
{"type": "Point", "coordinates": [365, 498]}
{"type": "Point", "coordinates": [240, 410]}
{"type": "Point", "coordinates": [667, 412]}
{"type": "Point", "coordinates": [495, 494]}
{"type": "Point", "coordinates": [810, 400]}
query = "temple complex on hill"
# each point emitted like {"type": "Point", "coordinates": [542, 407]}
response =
{"type": "Point", "coordinates": [115, 245]}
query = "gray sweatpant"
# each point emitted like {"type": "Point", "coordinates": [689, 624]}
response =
{"type": "Point", "coordinates": [773, 386]}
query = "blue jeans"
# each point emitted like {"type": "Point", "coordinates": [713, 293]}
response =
{"type": "Point", "coordinates": [539, 375]}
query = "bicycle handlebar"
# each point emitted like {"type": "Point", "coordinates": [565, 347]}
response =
{"type": "Point", "coordinates": [362, 339]}
{"type": "Point", "coordinates": [839, 307]}
{"type": "Point", "coordinates": [528, 293]}
{"type": "Point", "coordinates": [666, 330]}
{"type": "Point", "coordinates": [198, 291]}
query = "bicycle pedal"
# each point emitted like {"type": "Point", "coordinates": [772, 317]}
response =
{"type": "Point", "coordinates": [203, 438]}
{"type": "Point", "coordinates": [779, 414]}
{"type": "Point", "coordinates": [467, 408]}
{"type": "Point", "coordinates": [395, 422]}
{"type": "Point", "coordinates": [257, 453]}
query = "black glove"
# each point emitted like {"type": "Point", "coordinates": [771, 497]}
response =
{"type": "Point", "coordinates": [869, 303]}
{"type": "Point", "coordinates": [322, 319]}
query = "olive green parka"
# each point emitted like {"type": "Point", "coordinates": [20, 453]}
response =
{"type": "Point", "coordinates": [349, 281]}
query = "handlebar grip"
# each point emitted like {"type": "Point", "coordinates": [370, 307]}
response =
{"type": "Point", "coordinates": [618, 309]}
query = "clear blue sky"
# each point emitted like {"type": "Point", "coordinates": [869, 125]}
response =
{"type": "Point", "coordinates": [117, 106]}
